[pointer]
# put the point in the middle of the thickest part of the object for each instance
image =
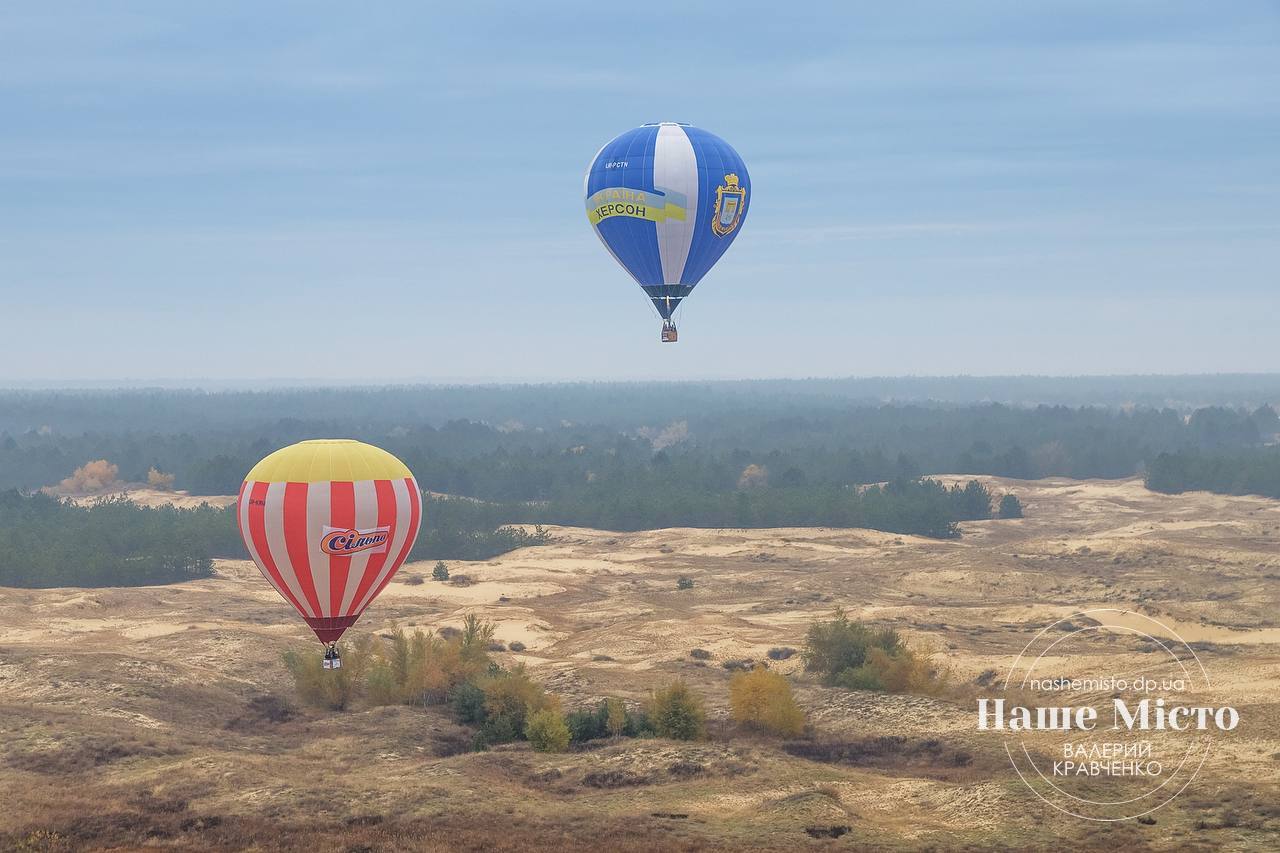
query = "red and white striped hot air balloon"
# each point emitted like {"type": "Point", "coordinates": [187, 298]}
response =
{"type": "Point", "coordinates": [329, 522]}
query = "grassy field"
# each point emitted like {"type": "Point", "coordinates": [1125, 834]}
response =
{"type": "Point", "coordinates": [162, 716]}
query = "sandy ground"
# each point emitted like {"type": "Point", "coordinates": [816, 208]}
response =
{"type": "Point", "coordinates": [114, 700]}
{"type": "Point", "coordinates": [144, 495]}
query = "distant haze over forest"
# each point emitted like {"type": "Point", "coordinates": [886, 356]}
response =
{"type": "Point", "coordinates": [619, 456]}
{"type": "Point", "coordinates": [178, 404]}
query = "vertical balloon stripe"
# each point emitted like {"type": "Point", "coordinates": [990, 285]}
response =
{"type": "Point", "coordinates": [410, 527]}
{"type": "Point", "coordinates": [365, 493]}
{"type": "Point", "coordinates": [400, 501]}
{"type": "Point", "coordinates": [627, 162]}
{"type": "Point", "coordinates": [675, 170]}
{"type": "Point", "coordinates": [342, 514]}
{"type": "Point", "coordinates": [242, 520]}
{"type": "Point", "coordinates": [318, 515]}
{"type": "Point", "coordinates": [273, 520]}
{"type": "Point", "coordinates": [387, 517]}
{"type": "Point", "coordinates": [294, 518]}
{"type": "Point", "coordinates": [253, 513]}
{"type": "Point", "coordinates": [716, 158]}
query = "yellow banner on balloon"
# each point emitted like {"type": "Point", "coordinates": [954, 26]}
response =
{"type": "Point", "coordinates": [618, 201]}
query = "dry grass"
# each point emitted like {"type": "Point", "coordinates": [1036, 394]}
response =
{"type": "Point", "coordinates": [164, 717]}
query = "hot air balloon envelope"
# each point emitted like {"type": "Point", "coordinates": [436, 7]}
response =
{"type": "Point", "coordinates": [666, 200]}
{"type": "Point", "coordinates": [329, 522]}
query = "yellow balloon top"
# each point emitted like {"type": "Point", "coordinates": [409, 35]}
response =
{"type": "Point", "coordinates": [325, 460]}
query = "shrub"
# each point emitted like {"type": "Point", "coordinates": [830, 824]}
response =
{"type": "Point", "coordinates": [639, 724]}
{"type": "Point", "coordinates": [588, 724]}
{"type": "Point", "coordinates": [835, 646]}
{"type": "Point", "coordinates": [95, 476]}
{"type": "Point", "coordinates": [700, 654]}
{"type": "Point", "coordinates": [380, 685]}
{"type": "Point", "coordinates": [753, 477]}
{"type": "Point", "coordinates": [515, 646]}
{"type": "Point", "coordinates": [615, 716]}
{"type": "Point", "coordinates": [546, 731]}
{"type": "Point", "coordinates": [677, 712]}
{"type": "Point", "coordinates": [324, 688]}
{"type": "Point", "coordinates": [476, 636]}
{"type": "Point", "coordinates": [157, 479]}
{"type": "Point", "coordinates": [440, 572]}
{"type": "Point", "coordinates": [904, 671]}
{"type": "Point", "coordinates": [496, 730]}
{"type": "Point", "coordinates": [781, 653]}
{"type": "Point", "coordinates": [418, 668]}
{"type": "Point", "coordinates": [468, 703]}
{"type": "Point", "coordinates": [684, 582]}
{"type": "Point", "coordinates": [514, 696]}
{"type": "Point", "coordinates": [763, 699]}
{"type": "Point", "coordinates": [1010, 507]}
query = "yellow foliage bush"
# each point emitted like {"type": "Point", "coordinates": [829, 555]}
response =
{"type": "Point", "coordinates": [158, 479]}
{"type": "Point", "coordinates": [763, 699]}
{"type": "Point", "coordinates": [753, 477]}
{"type": "Point", "coordinates": [326, 688]}
{"type": "Point", "coordinates": [615, 716]}
{"type": "Point", "coordinates": [93, 476]}
{"type": "Point", "coordinates": [513, 694]}
{"type": "Point", "coordinates": [903, 671]}
{"type": "Point", "coordinates": [417, 668]}
{"type": "Point", "coordinates": [547, 731]}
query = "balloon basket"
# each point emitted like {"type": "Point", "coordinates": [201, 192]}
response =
{"type": "Point", "coordinates": [669, 335]}
{"type": "Point", "coordinates": [331, 658]}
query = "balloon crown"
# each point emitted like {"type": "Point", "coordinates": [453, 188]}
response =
{"type": "Point", "coordinates": [731, 180]}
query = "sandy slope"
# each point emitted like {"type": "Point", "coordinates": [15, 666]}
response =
{"type": "Point", "coordinates": [113, 700]}
{"type": "Point", "coordinates": [144, 495]}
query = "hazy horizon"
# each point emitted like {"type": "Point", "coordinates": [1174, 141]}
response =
{"type": "Point", "coordinates": [237, 383]}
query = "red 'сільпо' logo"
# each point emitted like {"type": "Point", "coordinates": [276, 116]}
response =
{"type": "Point", "coordinates": [345, 541]}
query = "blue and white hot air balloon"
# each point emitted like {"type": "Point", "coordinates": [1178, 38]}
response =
{"type": "Point", "coordinates": [667, 199]}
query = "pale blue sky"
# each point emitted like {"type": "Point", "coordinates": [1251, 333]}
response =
{"type": "Point", "coordinates": [392, 191]}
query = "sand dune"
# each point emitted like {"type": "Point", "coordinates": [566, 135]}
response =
{"type": "Point", "coordinates": [115, 700]}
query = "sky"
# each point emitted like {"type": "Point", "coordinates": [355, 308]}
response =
{"type": "Point", "coordinates": [393, 192]}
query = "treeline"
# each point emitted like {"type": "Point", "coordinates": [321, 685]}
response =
{"type": "Point", "coordinates": [461, 529]}
{"type": "Point", "coordinates": [49, 542]}
{"type": "Point", "coordinates": [809, 445]}
{"type": "Point", "coordinates": [52, 542]}
{"type": "Point", "coordinates": [1254, 471]}
{"type": "Point", "coordinates": [922, 507]}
